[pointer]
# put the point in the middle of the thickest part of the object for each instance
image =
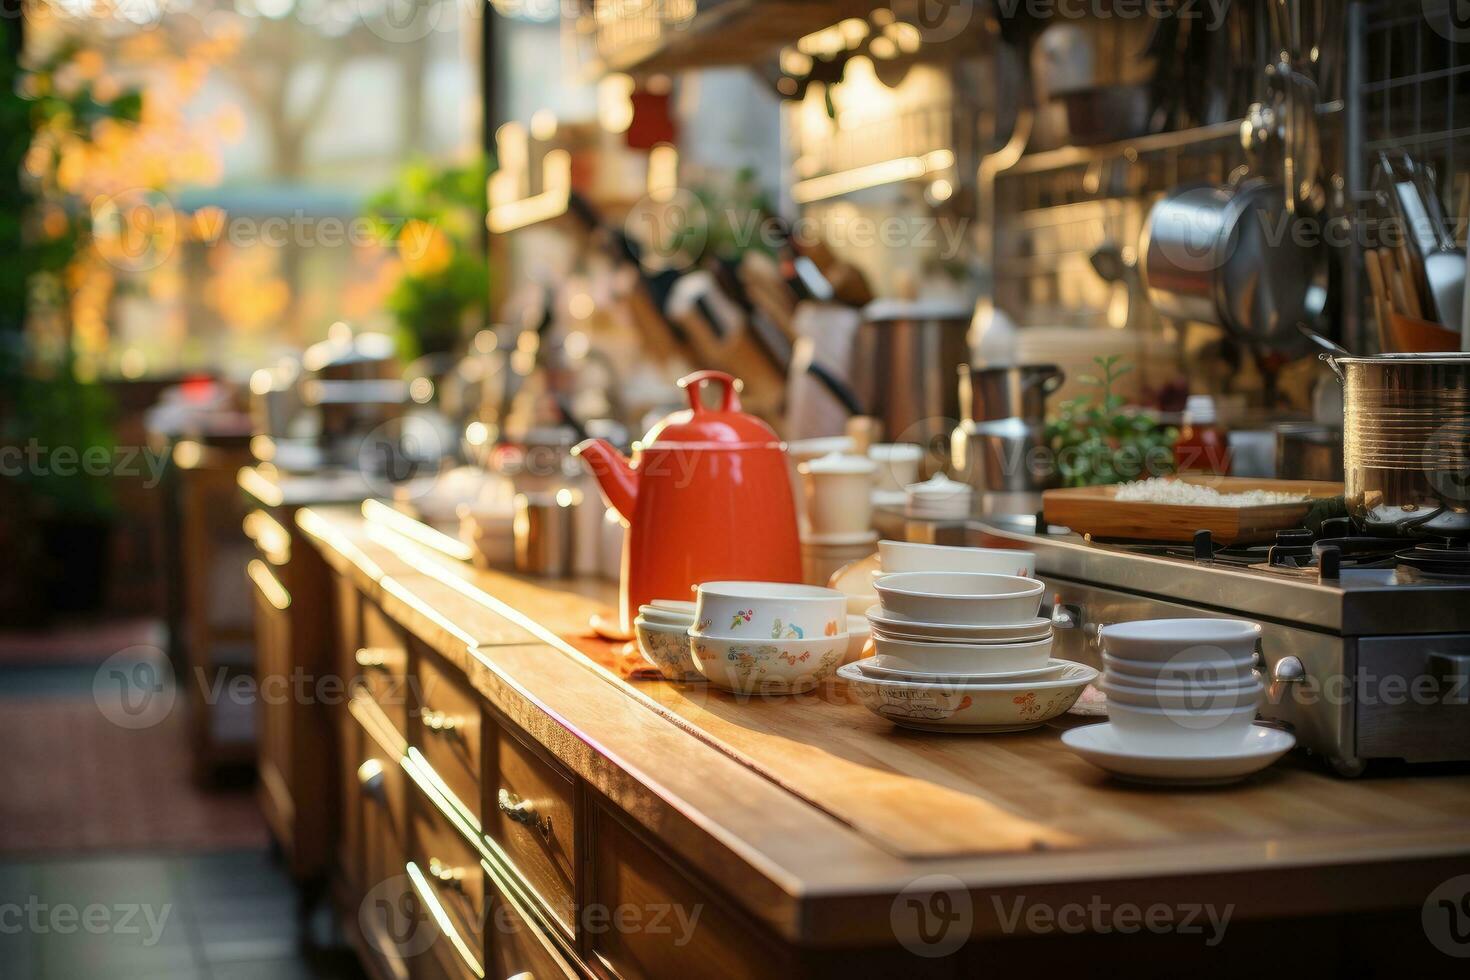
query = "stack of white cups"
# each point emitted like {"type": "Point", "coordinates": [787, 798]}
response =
{"type": "Point", "coordinates": [1187, 680]}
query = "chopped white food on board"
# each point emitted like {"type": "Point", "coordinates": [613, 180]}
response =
{"type": "Point", "coordinates": [1161, 490]}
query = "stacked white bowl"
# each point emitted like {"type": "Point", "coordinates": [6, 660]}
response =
{"type": "Point", "coordinates": [662, 628]}
{"type": "Point", "coordinates": [767, 637]}
{"type": "Point", "coordinates": [959, 645]}
{"type": "Point", "coordinates": [1190, 681]}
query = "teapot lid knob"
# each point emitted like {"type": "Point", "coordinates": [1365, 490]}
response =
{"type": "Point", "coordinates": [694, 384]}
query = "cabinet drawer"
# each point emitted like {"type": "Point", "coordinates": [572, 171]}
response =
{"type": "Point", "coordinates": [348, 610]}
{"type": "Point", "coordinates": [448, 729]}
{"type": "Point", "coordinates": [449, 871]}
{"type": "Point", "coordinates": [376, 820]}
{"type": "Point", "coordinates": [533, 820]}
{"type": "Point", "coordinates": [382, 665]}
{"type": "Point", "coordinates": [516, 947]}
{"type": "Point", "coordinates": [684, 929]}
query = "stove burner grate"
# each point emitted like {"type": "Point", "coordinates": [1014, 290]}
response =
{"type": "Point", "coordinates": [1448, 559]}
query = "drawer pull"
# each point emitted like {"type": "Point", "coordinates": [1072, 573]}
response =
{"type": "Point", "coordinates": [439, 722]}
{"type": "Point", "coordinates": [523, 812]}
{"type": "Point", "coordinates": [374, 658]}
{"type": "Point", "coordinates": [370, 778]}
{"type": "Point", "coordinates": [447, 876]}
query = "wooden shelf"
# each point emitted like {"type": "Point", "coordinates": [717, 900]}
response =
{"type": "Point", "coordinates": [728, 32]}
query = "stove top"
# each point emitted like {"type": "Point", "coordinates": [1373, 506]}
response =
{"type": "Point", "coordinates": [1335, 580]}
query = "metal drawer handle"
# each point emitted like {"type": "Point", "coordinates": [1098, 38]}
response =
{"type": "Point", "coordinates": [452, 878]}
{"type": "Point", "coordinates": [374, 658]}
{"type": "Point", "coordinates": [523, 812]}
{"type": "Point", "coordinates": [440, 723]}
{"type": "Point", "coordinates": [1288, 670]}
{"type": "Point", "coordinates": [370, 778]}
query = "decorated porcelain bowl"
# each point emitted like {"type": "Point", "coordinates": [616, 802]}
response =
{"type": "Point", "coordinates": [667, 648]}
{"type": "Point", "coordinates": [769, 611]}
{"type": "Point", "coordinates": [764, 665]}
{"type": "Point", "coordinates": [941, 707]}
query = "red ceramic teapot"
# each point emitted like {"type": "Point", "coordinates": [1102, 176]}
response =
{"type": "Point", "coordinates": [707, 496]}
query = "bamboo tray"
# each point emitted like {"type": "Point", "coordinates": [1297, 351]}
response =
{"type": "Point", "coordinates": [1095, 511]}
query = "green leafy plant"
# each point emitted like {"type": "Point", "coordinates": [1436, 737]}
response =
{"type": "Point", "coordinates": [1097, 441]}
{"type": "Point", "coordinates": [435, 215]}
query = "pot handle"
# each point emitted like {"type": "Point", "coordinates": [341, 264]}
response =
{"type": "Point", "coordinates": [694, 384]}
{"type": "Point", "coordinates": [1330, 351]}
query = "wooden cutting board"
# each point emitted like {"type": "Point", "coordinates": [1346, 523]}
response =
{"type": "Point", "coordinates": [1095, 511]}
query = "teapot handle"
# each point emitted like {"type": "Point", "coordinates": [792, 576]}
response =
{"type": "Point", "coordinates": [694, 384]}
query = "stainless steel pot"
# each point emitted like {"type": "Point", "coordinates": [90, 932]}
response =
{"type": "Point", "coordinates": [1003, 456]}
{"type": "Point", "coordinates": [1406, 442]}
{"type": "Point", "coordinates": [902, 367]}
{"type": "Point", "coordinates": [1233, 256]}
{"type": "Point", "coordinates": [1008, 392]}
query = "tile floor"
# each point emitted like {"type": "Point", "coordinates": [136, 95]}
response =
{"type": "Point", "coordinates": [120, 912]}
{"type": "Point", "coordinates": [139, 917]}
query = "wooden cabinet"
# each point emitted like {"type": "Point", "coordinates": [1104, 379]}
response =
{"type": "Point", "coordinates": [447, 728]}
{"type": "Point", "coordinates": [530, 812]}
{"type": "Point", "coordinates": [532, 807]}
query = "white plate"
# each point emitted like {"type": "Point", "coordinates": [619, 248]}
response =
{"type": "Point", "coordinates": [1030, 629]}
{"type": "Point", "coordinates": [873, 669]}
{"type": "Point", "coordinates": [969, 708]}
{"type": "Point", "coordinates": [1166, 763]}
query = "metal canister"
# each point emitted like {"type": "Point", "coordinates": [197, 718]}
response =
{"type": "Point", "coordinates": [545, 532]}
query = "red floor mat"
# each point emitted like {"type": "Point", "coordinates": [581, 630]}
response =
{"type": "Point", "coordinates": [76, 782]}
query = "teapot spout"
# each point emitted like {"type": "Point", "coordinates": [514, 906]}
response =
{"type": "Point", "coordinates": [615, 475]}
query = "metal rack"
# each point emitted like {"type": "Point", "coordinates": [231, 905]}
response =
{"type": "Point", "coordinates": [1408, 87]}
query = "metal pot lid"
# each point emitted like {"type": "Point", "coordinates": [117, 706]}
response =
{"type": "Point", "coordinates": [1445, 357]}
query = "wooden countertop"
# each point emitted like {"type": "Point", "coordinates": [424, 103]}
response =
{"type": "Point", "coordinates": [816, 813]}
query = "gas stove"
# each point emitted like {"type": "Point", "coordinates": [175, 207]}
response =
{"type": "Point", "coordinates": [1365, 647]}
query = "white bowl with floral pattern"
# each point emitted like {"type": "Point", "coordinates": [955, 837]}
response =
{"type": "Point", "coordinates": [969, 708]}
{"type": "Point", "coordinates": [765, 665]}
{"type": "Point", "coordinates": [768, 611]}
{"type": "Point", "coordinates": [667, 648]}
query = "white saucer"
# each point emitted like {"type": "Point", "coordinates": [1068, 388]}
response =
{"type": "Point", "coordinates": [869, 667]}
{"type": "Point", "coordinates": [1031, 629]}
{"type": "Point", "coordinates": [1177, 763]}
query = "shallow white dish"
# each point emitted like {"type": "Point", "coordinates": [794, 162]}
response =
{"type": "Point", "coordinates": [1181, 641]}
{"type": "Point", "coordinates": [667, 648]}
{"type": "Point", "coordinates": [911, 556]}
{"type": "Point", "coordinates": [1225, 673]}
{"type": "Point", "coordinates": [768, 610]}
{"type": "Point", "coordinates": [959, 598]}
{"type": "Point", "coordinates": [665, 617]}
{"type": "Point", "coordinates": [878, 672]}
{"type": "Point", "coordinates": [962, 708]}
{"type": "Point", "coordinates": [1150, 762]}
{"type": "Point", "coordinates": [683, 607]}
{"type": "Point", "coordinates": [959, 658]}
{"type": "Point", "coordinates": [766, 666]}
{"type": "Point", "coordinates": [1031, 629]}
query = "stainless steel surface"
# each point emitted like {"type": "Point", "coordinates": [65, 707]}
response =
{"type": "Point", "coordinates": [1369, 666]}
{"type": "Point", "coordinates": [1406, 442]}
{"type": "Point", "coordinates": [1003, 456]}
{"type": "Point", "coordinates": [1020, 392]}
{"type": "Point", "coordinates": [1227, 255]}
{"type": "Point", "coordinates": [544, 532]}
{"type": "Point", "coordinates": [1308, 451]}
{"type": "Point", "coordinates": [902, 366]}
